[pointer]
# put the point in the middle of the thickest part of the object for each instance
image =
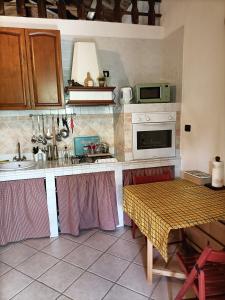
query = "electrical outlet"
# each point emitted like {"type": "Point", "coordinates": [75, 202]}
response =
{"type": "Point", "coordinates": [106, 73]}
{"type": "Point", "coordinates": [187, 127]}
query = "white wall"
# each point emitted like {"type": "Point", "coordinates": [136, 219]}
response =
{"type": "Point", "coordinates": [203, 93]}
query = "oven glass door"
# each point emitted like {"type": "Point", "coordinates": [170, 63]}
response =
{"type": "Point", "coordinates": [153, 140]}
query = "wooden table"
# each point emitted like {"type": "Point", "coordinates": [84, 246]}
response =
{"type": "Point", "coordinates": [159, 207]}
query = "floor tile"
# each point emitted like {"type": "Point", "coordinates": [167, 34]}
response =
{"type": "Point", "coordinates": [109, 267]}
{"type": "Point", "coordinates": [39, 243]}
{"type": "Point", "coordinates": [83, 256]}
{"type": "Point", "coordinates": [12, 283]}
{"type": "Point", "coordinates": [4, 248]}
{"type": "Point", "coordinates": [173, 264]}
{"type": "Point", "coordinates": [125, 249]}
{"type": "Point", "coordinates": [60, 276]}
{"type": "Point", "coordinates": [141, 258]}
{"type": "Point", "coordinates": [167, 289]}
{"type": "Point", "coordinates": [83, 236]}
{"type": "Point", "coordinates": [16, 254]}
{"type": "Point", "coordinates": [37, 264]}
{"type": "Point", "coordinates": [60, 247]}
{"type": "Point", "coordinates": [100, 241]}
{"type": "Point", "coordinates": [4, 268]}
{"type": "Point", "coordinates": [88, 287]}
{"type": "Point", "coordinates": [117, 233]}
{"type": "Point", "coordinates": [120, 293]}
{"type": "Point", "coordinates": [37, 291]}
{"type": "Point", "coordinates": [62, 297]}
{"type": "Point", "coordinates": [134, 278]}
{"type": "Point", "coordinates": [139, 237]}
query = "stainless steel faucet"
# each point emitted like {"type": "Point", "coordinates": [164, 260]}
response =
{"type": "Point", "coordinates": [19, 158]}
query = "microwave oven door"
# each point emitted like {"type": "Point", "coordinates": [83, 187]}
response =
{"type": "Point", "coordinates": [152, 140]}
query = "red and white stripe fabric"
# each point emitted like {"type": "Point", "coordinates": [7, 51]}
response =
{"type": "Point", "coordinates": [87, 201]}
{"type": "Point", "coordinates": [23, 210]}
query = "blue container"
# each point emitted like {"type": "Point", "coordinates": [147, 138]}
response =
{"type": "Point", "coordinates": [80, 142]}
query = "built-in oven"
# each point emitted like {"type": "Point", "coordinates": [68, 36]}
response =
{"type": "Point", "coordinates": [154, 135]}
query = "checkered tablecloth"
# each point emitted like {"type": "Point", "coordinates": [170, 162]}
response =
{"type": "Point", "coordinates": [158, 207]}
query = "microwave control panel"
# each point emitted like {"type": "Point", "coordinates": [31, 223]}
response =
{"type": "Point", "coordinates": [156, 117]}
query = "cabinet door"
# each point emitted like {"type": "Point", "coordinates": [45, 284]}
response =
{"type": "Point", "coordinates": [14, 90]}
{"type": "Point", "coordinates": [45, 68]}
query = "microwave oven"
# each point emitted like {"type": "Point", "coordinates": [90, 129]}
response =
{"type": "Point", "coordinates": [152, 93]}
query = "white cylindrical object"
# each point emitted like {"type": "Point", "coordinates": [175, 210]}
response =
{"type": "Point", "coordinates": [218, 174]}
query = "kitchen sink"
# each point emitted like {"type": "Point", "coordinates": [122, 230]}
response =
{"type": "Point", "coordinates": [16, 165]}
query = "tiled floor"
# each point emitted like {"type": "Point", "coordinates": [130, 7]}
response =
{"type": "Point", "coordinates": [96, 265]}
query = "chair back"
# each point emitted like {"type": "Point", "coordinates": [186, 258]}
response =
{"type": "Point", "coordinates": [210, 271]}
{"type": "Point", "coordinates": [152, 178]}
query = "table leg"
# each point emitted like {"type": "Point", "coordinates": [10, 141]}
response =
{"type": "Point", "coordinates": [149, 261]}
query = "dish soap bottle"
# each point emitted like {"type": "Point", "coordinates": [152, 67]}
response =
{"type": "Point", "coordinates": [217, 173]}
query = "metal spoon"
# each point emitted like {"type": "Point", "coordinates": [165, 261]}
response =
{"type": "Point", "coordinates": [64, 131]}
{"type": "Point", "coordinates": [48, 134]}
{"type": "Point", "coordinates": [33, 138]}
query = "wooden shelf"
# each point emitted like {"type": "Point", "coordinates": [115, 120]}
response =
{"type": "Point", "coordinates": [89, 89]}
{"type": "Point", "coordinates": [90, 103]}
{"type": "Point", "coordinates": [99, 154]}
{"type": "Point", "coordinates": [76, 91]}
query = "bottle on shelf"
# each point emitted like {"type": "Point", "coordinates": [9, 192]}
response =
{"type": "Point", "coordinates": [88, 82]}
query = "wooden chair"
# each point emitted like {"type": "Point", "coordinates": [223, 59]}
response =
{"type": "Point", "coordinates": [148, 179]}
{"type": "Point", "coordinates": [205, 274]}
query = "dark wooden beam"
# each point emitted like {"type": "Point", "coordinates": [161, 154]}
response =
{"type": "Point", "coordinates": [80, 10]}
{"type": "Point", "coordinates": [20, 8]}
{"type": "Point", "coordinates": [151, 12]}
{"type": "Point", "coordinates": [2, 10]}
{"type": "Point", "coordinates": [61, 9]}
{"type": "Point", "coordinates": [28, 11]}
{"type": "Point", "coordinates": [99, 10]}
{"type": "Point", "coordinates": [134, 12]}
{"type": "Point", "coordinates": [42, 12]}
{"type": "Point", "coordinates": [117, 11]}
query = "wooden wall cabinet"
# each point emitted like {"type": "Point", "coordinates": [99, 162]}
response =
{"type": "Point", "coordinates": [31, 69]}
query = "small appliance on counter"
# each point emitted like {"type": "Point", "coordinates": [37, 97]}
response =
{"type": "Point", "coordinates": [152, 93]}
{"type": "Point", "coordinates": [126, 95]}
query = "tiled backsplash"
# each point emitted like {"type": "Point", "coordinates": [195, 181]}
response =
{"type": "Point", "coordinates": [16, 129]}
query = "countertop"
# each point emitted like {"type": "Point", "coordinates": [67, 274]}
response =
{"type": "Point", "coordinates": [62, 167]}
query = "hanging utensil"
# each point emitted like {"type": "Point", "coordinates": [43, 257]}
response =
{"type": "Point", "coordinates": [48, 134]}
{"type": "Point", "coordinates": [40, 138]}
{"type": "Point", "coordinates": [64, 131]}
{"type": "Point", "coordinates": [44, 141]}
{"type": "Point", "coordinates": [71, 123]}
{"type": "Point", "coordinates": [33, 138]}
{"type": "Point", "coordinates": [58, 136]}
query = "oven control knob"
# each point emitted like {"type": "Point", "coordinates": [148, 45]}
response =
{"type": "Point", "coordinates": [170, 117]}
{"type": "Point", "coordinates": [148, 118]}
